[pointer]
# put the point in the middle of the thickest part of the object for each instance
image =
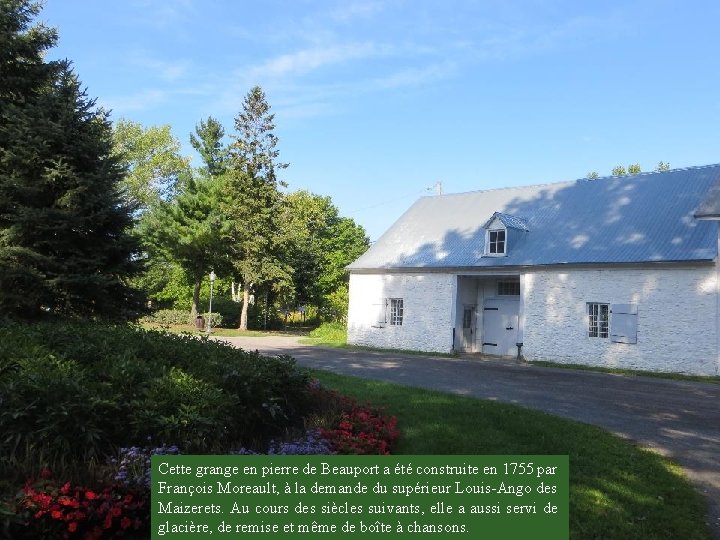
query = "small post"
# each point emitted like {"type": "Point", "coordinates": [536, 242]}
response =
{"type": "Point", "coordinates": [212, 280]}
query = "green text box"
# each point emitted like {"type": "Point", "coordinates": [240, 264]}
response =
{"type": "Point", "coordinates": [508, 497]}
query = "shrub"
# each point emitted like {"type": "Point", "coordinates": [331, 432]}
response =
{"type": "Point", "coordinates": [332, 332]}
{"type": "Point", "coordinates": [73, 393]}
{"type": "Point", "coordinates": [168, 317]}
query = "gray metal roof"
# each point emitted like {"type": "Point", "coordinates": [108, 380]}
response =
{"type": "Point", "coordinates": [512, 222]}
{"type": "Point", "coordinates": [709, 207]}
{"type": "Point", "coordinates": [647, 217]}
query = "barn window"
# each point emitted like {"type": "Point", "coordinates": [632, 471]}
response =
{"type": "Point", "coordinates": [396, 311]}
{"type": "Point", "coordinates": [598, 319]}
{"type": "Point", "coordinates": [496, 242]}
{"type": "Point", "coordinates": [508, 287]}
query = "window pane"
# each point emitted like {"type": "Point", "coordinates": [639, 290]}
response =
{"type": "Point", "coordinates": [496, 242]}
{"type": "Point", "coordinates": [508, 288]}
{"type": "Point", "coordinates": [396, 311]}
{"type": "Point", "coordinates": [598, 320]}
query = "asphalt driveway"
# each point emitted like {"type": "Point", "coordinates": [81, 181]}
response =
{"type": "Point", "coordinates": [679, 419]}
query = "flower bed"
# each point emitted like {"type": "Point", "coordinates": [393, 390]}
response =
{"type": "Point", "coordinates": [46, 508]}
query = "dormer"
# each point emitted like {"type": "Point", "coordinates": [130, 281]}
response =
{"type": "Point", "coordinates": [499, 232]}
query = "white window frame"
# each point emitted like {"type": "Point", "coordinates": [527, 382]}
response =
{"type": "Point", "coordinates": [397, 311]}
{"type": "Point", "coordinates": [490, 244]}
{"type": "Point", "coordinates": [596, 326]}
{"type": "Point", "coordinates": [506, 283]}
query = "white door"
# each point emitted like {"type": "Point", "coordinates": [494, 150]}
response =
{"type": "Point", "coordinates": [468, 328]}
{"type": "Point", "coordinates": [500, 326]}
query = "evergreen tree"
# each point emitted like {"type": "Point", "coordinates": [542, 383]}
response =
{"type": "Point", "coordinates": [189, 231]}
{"type": "Point", "coordinates": [208, 142]}
{"type": "Point", "coordinates": [254, 202]}
{"type": "Point", "coordinates": [64, 242]}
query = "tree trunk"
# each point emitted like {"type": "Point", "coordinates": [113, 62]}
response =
{"type": "Point", "coordinates": [245, 303]}
{"type": "Point", "coordinates": [194, 309]}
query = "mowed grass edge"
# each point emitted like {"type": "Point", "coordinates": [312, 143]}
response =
{"type": "Point", "coordinates": [617, 491]}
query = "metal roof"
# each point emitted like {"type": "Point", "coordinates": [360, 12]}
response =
{"type": "Point", "coordinates": [509, 221]}
{"type": "Point", "coordinates": [709, 207]}
{"type": "Point", "coordinates": [647, 217]}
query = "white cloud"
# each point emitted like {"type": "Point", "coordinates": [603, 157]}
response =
{"type": "Point", "coordinates": [307, 60]}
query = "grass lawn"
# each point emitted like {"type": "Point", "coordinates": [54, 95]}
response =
{"type": "Point", "coordinates": [617, 491]}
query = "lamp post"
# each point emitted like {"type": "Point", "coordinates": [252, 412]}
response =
{"type": "Point", "coordinates": [212, 280]}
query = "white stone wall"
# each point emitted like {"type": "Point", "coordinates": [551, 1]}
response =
{"type": "Point", "coordinates": [429, 309]}
{"type": "Point", "coordinates": [677, 314]}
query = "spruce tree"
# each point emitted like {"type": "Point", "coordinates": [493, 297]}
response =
{"type": "Point", "coordinates": [64, 231]}
{"type": "Point", "coordinates": [254, 201]}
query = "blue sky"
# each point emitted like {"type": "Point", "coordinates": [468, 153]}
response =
{"type": "Point", "coordinates": [376, 101]}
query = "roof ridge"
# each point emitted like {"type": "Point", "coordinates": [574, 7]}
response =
{"type": "Point", "coordinates": [646, 173]}
{"type": "Point", "coordinates": [568, 182]}
{"type": "Point", "coordinates": [506, 188]}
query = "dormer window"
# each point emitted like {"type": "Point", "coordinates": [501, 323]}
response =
{"type": "Point", "coordinates": [496, 242]}
{"type": "Point", "coordinates": [500, 229]}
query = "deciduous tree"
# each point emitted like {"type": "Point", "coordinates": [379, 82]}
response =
{"type": "Point", "coordinates": [152, 158]}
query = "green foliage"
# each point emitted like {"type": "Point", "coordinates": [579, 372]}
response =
{"type": "Point", "coordinates": [634, 168]}
{"type": "Point", "coordinates": [662, 166]}
{"type": "Point", "coordinates": [208, 142]}
{"type": "Point", "coordinates": [592, 175]}
{"type": "Point", "coordinates": [73, 393]}
{"type": "Point", "coordinates": [330, 332]}
{"type": "Point", "coordinates": [165, 318]}
{"type": "Point", "coordinates": [64, 242]}
{"type": "Point", "coordinates": [254, 202]}
{"type": "Point", "coordinates": [152, 159]}
{"type": "Point", "coordinates": [335, 305]}
{"type": "Point", "coordinates": [618, 170]}
{"type": "Point", "coordinates": [322, 245]}
{"type": "Point", "coordinates": [189, 230]}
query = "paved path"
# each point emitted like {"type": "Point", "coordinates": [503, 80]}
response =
{"type": "Point", "coordinates": [679, 419]}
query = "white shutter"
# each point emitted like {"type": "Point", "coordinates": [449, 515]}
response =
{"type": "Point", "coordinates": [623, 323]}
{"type": "Point", "coordinates": [380, 310]}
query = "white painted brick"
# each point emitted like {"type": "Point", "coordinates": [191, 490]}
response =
{"type": "Point", "coordinates": [427, 304]}
{"type": "Point", "coordinates": [677, 315]}
{"type": "Point", "coordinates": [677, 309]}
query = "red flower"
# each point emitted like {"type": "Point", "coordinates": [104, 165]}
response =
{"type": "Point", "coordinates": [65, 489]}
{"type": "Point", "coordinates": [90, 495]}
{"type": "Point", "coordinates": [125, 522]}
{"type": "Point", "coordinates": [72, 527]}
{"type": "Point", "coordinates": [67, 501]}
{"type": "Point", "coordinates": [56, 514]}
